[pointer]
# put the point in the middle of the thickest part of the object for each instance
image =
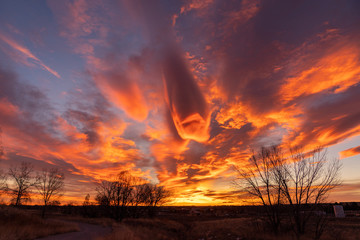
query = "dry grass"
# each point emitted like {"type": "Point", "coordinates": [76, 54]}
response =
{"type": "Point", "coordinates": [224, 229]}
{"type": "Point", "coordinates": [155, 229]}
{"type": "Point", "coordinates": [18, 224]}
{"type": "Point", "coordinates": [234, 228]}
{"type": "Point", "coordinates": [343, 229]}
{"type": "Point", "coordinates": [105, 222]}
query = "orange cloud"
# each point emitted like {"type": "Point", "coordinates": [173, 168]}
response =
{"type": "Point", "coordinates": [337, 71]}
{"type": "Point", "coordinates": [192, 127]}
{"type": "Point", "coordinates": [120, 86]}
{"type": "Point", "coordinates": [195, 5]}
{"type": "Point", "coordinates": [237, 115]}
{"type": "Point", "coordinates": [350, 152]}
{"type": "Point", "coordinates": [7, 109]}
{"type": "Point", "coordinates": [169, 148]}
{"type": "Point", "coordinates": [123, 93]}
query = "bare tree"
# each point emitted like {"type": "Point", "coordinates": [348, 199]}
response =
{"type": "Point", "coordinates": [87, 207]}
{"type": "Point", "coordinates": [141, 194]}
{"type": "Point", "coordinates": [160, 195]}
{"type": "Point", "coordinates": [50, 184]}
{"type": "Point", "coordinates": [307, 179]}
{"type": "Point", "coordinates": [22, 182]}
{"type": "Point", "coordinates": [104, 193]}
{"type": "Point", "coordinates": [1, 144]}
{"type": "Point", "coordinates": [117, 193]}
{"type": "Point", "coordinates": [260, 179]}
{"type": "Point", "coordinates": [3, 183]}
{"type": "Point", "coordinates": [126, 191]}
{"type": "Point", "coordinates": [149, 194]}
{"type": "Point", "coordinates": [302, 181]}
{"type": "Point", "coordinates": [122, 197]}
{"type": "Point", "coordinates": [87, 200]}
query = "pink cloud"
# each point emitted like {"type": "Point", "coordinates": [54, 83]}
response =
{"type": "Point", "coordinates": [26, 53]}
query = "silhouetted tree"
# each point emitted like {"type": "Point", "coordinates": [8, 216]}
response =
{"type": "Point", "coordinates": [160, 195]}
{"type": "Point", "coordinates": [157, 196]}
{"type": "Point", "coordinates": [87, 200]}
{"type": "Point", "coordinates": [50, 184]}
{"type": "Point", "coordinates": [306, 180]}
{"type": "Point", "coordinates": [301, 180]}
{"type": "Point", "coordinates": [122, 193]}
{"type": "Point", "coordinates": [140, 192]}
{"type": "Point", "coordinates": [54, 203]}
{"type": "Point", "coordinates": [22, 183]}
{"type": "Point", "coordinates": [260, 179]}
{"type": "Point", "coordinates": [87, 207]}
{"type": "Point", "coordinates": [1, 145]}
{"type": "Point", "coordinates": [116, 193]}
{"type": "Point", "coordinates": [3, 183]}
{"type": "Point", "coordinates": [104, 193]}
{"type": "Point", "coordinates": [149, 195]}
{"type": "Point", "coordinates": [126, 191]}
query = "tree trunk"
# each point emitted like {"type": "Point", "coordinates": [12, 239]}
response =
{"type": "Point", "coordinates": [18, 198]}
{"type": "Point", "coordinates": [43, 211]}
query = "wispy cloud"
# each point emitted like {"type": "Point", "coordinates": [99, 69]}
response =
{"type": "Point", "coordinates": [350, 152]}
{"type": "Point", "coordinates": [26, 53]}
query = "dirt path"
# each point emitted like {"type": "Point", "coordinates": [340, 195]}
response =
{"type": "Point", "coordinates": [87, 232]}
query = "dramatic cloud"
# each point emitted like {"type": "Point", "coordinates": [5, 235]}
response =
{"type": "Point", "coordinates": [187, 105]}
{"type": "Point", "coordinates": [177, 91]}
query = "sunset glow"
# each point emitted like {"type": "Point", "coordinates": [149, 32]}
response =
{"type": "Point", "coordinates": [177, 92]}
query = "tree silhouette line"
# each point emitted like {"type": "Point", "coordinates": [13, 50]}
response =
{"type": "Point", "coordinates": [123, 196]}
{"type": "Point", "coordinates": [130, 196]}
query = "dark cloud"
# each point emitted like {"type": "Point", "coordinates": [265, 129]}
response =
{"type": "Point", "coordinates": [32, 114]}
{"type": "Point", "coordinates": [185, 97]}
{"type": "Point", "coordinates": [86, 123]}
{"type": "Point", "coordinates": [334, 116]}
{"type": "Point", "coordinates": [186, 102]}
{"type": "Point", "coordinates": [27, 97]}
{"type": "Point", "coordinates": [16, 159]}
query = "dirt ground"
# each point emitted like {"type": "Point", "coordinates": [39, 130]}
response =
{"type": "Point", "coordinates": [86, 232]}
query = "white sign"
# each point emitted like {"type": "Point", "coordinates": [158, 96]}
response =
{"type": "Point", "coordinates": [339, 211]}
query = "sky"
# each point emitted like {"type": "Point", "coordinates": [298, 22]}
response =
{"type": "Point", "coordinates": [177, 92]}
